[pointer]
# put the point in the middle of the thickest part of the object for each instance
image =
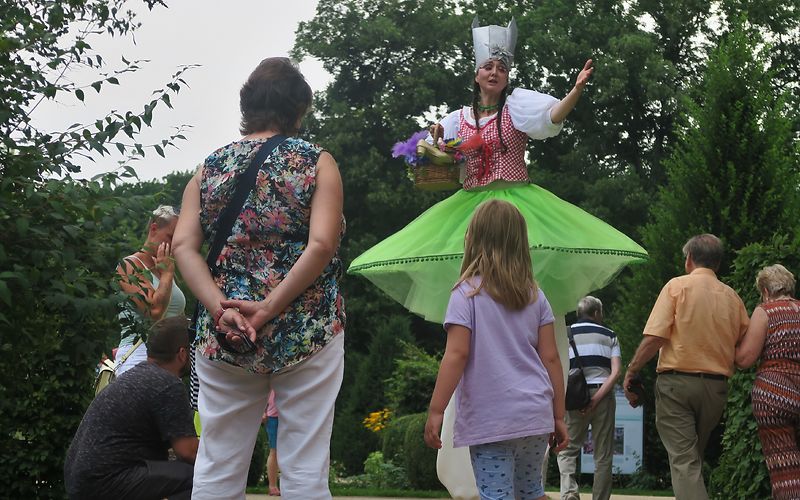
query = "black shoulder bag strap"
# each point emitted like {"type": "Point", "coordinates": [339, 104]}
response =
{"type": "Point", "coordinates": [244, 186]}
{"type": "Point", "coordinates": [227, 218]}
{"type": "Point", "coordinates": [574, 348]}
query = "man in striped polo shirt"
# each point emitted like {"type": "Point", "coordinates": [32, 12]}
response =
{"type": "Point", "coordinates": [600, 354]}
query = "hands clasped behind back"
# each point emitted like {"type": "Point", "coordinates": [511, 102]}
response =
{"type": "Point", "coordinates": [234, 321]}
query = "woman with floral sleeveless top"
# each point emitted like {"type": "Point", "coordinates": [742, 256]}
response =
{"type": "Point", "coordinates": [774, 336]}
{"type": "Point", "coordinates": [277, 284]}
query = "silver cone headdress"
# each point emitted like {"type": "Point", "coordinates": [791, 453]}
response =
{"type": "Point", "coordinates": [494, 42]}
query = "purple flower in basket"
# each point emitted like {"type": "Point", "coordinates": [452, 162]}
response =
{"type": "Point", "coordinates": [408, 149]}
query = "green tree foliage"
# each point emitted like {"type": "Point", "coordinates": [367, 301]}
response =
{"type": "Point", "coordinates": [409, 388]}
{"type": "Point", "coordinates": [168, 190]}
{"type": "Point", "coordinates": [61, 236]}
{"type": "Point", "coordinates": [732, 173]}
{"type": "Point", "coordinates": [420, 461]}
{"type": "Point", "coordinates": [778, 23]}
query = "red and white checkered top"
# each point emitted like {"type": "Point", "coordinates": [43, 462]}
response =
{"type": "Point", "coordinates": [491, 162]}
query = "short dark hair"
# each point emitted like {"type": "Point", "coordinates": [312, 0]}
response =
{"type": "Point", "coordinates": [705, 249]}
{"type": "Point", "coordinates": [166, 337]}
{"type": "Point", "coordinates": [275, 96]}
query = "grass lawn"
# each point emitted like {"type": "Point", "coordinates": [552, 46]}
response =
{"type": "Point", "coordinates": [343, 491]}
{"type": "Point", "coordinates": [636, 492]}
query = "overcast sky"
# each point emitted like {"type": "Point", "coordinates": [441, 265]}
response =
{"type": "Point", "coordinates": [227, 38]}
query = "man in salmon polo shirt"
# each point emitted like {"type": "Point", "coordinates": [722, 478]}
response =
{"type": "Point", "coordinates": [695, 325]}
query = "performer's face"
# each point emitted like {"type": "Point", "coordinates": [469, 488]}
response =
{"type": "Point", "coordinates": [492, 76]}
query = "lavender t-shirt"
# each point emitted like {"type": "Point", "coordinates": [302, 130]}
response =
{"type": "Point", "coordinates": [505, 392]}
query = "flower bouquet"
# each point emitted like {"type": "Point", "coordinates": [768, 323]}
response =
{"type": "Point", "coordinates": [431, 167]}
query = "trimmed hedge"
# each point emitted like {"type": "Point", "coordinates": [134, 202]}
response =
{"type": "Point", "coordinates": [420, 461]}
{"type": "Point", "coordinates": [394, 436]}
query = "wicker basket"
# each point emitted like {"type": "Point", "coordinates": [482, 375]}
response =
{"type": "Point", "coordinates": [436, 178]}
{"type": "Point", "coordinates": [441, 171]}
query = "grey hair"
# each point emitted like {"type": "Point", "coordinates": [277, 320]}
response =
{"type": "Point", "coordinates": [706, 250]}
{"type": "Point", "coordinates": [588, 306]}
{"type": "Point", "coordinates": [777, 280]}
{"type": "Point", "coordinates": [163, 215]}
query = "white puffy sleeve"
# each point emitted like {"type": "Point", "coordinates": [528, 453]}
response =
{"type": "Point", "coordinates": [450, 124]}
{"type": "Point", "coordinates": [530, 113]}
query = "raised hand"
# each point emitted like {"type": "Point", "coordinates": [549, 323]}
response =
{"type": "Point", "coordinates": [584, 75]}
{"type": "Point", "coordinates": [163, 259]}
{"type": "Point", "coordinates": [437, 131]}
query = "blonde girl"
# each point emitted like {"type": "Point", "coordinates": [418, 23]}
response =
{"type": "Point", "coordinates": [501, 360]}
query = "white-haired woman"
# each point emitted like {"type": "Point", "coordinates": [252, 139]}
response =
{"type": "Point", "coordinates": [774, 335]}
{"type": "Point", "coordinates": [148, 277]}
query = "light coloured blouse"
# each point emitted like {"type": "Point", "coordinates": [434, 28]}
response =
{"type": "Point", "coordinates": [176, 306]}
{"type": "Point", "coordinates": [529, 110]}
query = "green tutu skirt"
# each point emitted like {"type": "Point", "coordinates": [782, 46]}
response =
{"type": "Point", "coordinates": [573, 252]}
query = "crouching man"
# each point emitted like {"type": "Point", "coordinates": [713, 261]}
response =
{"type": "Point", "coordinates": [121, 447]}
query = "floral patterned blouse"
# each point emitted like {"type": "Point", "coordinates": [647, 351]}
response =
{"type": "Point", "coordinates": [268, 237]}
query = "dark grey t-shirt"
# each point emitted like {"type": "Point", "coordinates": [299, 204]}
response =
{"type": "Point", "coordinates": [132, 420]}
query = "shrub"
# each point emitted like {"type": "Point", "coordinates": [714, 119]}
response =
{"type": "Point", "coordinates": [409, 388]}
{"type": "Point", "coordinates": [393, 437]}
{"type": "Point", "coordinates": [61, 236]}
{"type": "Point", "coordinates": [384, 474]}
{"type": "Point", "coordinates": [351, 442]}
{"type": "Point", "coordinates": [420, 461]}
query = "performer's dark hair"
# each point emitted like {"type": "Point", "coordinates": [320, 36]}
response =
{"type": "Point", "coordinates": [476, 101]}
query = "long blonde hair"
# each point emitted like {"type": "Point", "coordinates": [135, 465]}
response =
{"type": "Point", "coordinates": [496, 249]}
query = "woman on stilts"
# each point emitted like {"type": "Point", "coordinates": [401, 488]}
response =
{"type": "Point", "coordinates": [572, 252]}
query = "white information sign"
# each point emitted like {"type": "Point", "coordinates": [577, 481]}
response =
{"type": "Point", "coordinates": [628, 439]}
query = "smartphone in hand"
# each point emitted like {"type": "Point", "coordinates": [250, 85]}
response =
{"type": "Point", "coordinates": [244, 347]}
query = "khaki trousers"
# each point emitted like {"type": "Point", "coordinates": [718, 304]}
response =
{"type": "Point", "coordinates": [602, 421]}
{"type": "Point", "coordinates": [687, 410]}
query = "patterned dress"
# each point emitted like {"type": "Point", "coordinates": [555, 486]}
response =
{"type": "Point", "coordinates": [776, 398]}
{"type": "Point", "coordinates": [268, 237]}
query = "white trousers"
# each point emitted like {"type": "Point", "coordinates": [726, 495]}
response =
{"type": "Point", "coordinates": [231, 403]}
